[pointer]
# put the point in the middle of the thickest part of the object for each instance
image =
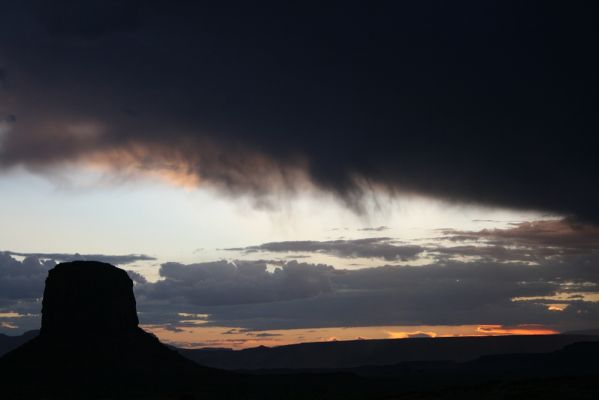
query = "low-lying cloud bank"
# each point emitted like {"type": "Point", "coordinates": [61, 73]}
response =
{"type": "Point", "coordinates": [243, 282]}
{"type": "Point", "coordinates": [449, 293]}
{"type": "Point", "coordinates": [556, 285]}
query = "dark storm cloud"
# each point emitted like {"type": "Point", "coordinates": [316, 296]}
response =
{"type": "Point", "coordinates": [3, 82]}
{"type": "Point", "coordinates": [487, 102]}
{"type": "Point", "coordinates": [87, 19]}
{"type": "Point", "coordinates": [381, 247]}
{"type": "Point", "coordinates": [63, 257]}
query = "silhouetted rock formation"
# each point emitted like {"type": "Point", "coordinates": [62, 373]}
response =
{"type": "Point", "coordinates": [90, 344]}
{"type": "Point", "coordinates": [87, 297]}
{"type": "Point", "coordinates": [8, 343]}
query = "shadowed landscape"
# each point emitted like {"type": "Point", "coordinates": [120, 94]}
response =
{"type": "Point", "coordinates": [90, 345]}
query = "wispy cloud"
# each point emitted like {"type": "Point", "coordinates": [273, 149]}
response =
{"type": "Point", "coordinates": [62, 257]}
{"type": "Point", "coordinates": [374, 229]}
{"type": "Point", "coordinates": [379, 247]}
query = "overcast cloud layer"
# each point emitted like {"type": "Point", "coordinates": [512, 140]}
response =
{"type": "Point", "coordinates": [490, 102]}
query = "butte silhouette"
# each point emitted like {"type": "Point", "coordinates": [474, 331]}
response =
{"type": "Point", "coordinates": [90, 344]}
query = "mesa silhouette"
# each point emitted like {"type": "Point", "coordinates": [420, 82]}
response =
{"type": "Point", "coordinates": [90, 343]}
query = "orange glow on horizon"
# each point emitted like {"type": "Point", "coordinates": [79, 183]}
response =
{"type": "Point", "coordinates": [557, 307]}
{"type": "Point", "coordinates": [236, 338]}
{"type": "Point", "coordinates": [411, 334]}
{"type": "Point", "coordinates": [493, 330]}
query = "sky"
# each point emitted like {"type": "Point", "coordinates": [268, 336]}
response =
{"type": "Point", "coordinates": [279, 173]}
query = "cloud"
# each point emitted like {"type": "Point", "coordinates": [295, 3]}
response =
{"type": "Point", "coordinates": [136, 277]}
{"type": "Point", "coordinates": [263, 334]}
{"type": "Point", "coordinates": [2, 78]}
{"type": "Point", "coordinates": [447, 292]}
{"type": "Point", "coordinates": [566, 234]}
{"type": "Point", "coordinates": [225, 344]}
{"type": "Point", "coordinates": [529, 242]}
{"type": "Point", "coordinates": [92, 19]}
{"type": "Point", "coordinates": [509, 277]}
{"type": "Point", "coordinates": [375, 229]}
{"type": "Point", "coordinates": [487, 290]}
{"type": "Point", "coordinates": [22, 280]}
{"type": "Point", "coordinates": [436, 301]}
{"type": "Point", "coordinates": [21, 289]}
{"type": "Point", "coordinates": [523, 241]}
{"type": "Point", "coordinates": [468, 103]}
{"type": "Point", "coordinates": [380, 247]}
{"type": "Point", "coordinates": [243, 282]}
{"type": "Point", "coordinates": [62, 257]}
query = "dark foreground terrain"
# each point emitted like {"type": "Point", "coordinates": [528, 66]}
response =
{"type": "Point", "coordinates": [570, 373]}
{"type": "Point", "coordinates": [90, 347]}
{"type": "Point", "coordinates": [356, 353]}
